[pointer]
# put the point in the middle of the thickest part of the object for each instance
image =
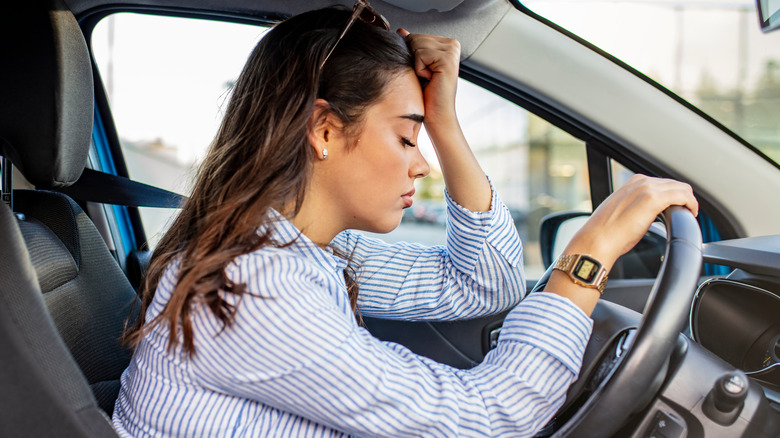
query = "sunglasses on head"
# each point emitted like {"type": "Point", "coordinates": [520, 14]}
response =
{"type": "Point", "coordinates": [363, 11]}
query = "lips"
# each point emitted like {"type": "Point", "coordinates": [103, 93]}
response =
{"type": "Point", "coordinates": [407, 198]}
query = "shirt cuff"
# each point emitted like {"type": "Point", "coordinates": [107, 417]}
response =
{"type": "Point", "coordinates": [467, 232]}
{"type": "Point", "coordinates": [551, 323]}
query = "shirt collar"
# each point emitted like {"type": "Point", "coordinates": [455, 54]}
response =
{"type": "Point", "coordinates": [283, 232]}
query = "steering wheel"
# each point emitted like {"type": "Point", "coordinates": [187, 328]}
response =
{"type": "Point", "coordinates": [626, 382]}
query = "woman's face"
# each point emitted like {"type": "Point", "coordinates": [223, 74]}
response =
{"type": "Point", "coordinates": [373, 179]}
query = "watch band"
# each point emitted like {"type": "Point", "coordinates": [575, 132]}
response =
{"type": "Point", "coordinates": [584, 270]}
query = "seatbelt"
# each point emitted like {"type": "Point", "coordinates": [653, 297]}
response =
{"type": "Point", "coordinates": [105, 188]}
{"type": "Point", "coordinates": [6, 183]}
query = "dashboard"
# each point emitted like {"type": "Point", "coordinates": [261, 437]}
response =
{"type": "Point", "coordinates": [738, 317]}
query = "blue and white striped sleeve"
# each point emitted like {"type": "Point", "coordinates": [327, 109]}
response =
{"type": "Point", "coordinates": [479, 272]}
{"type": "Point", "coordinates": [293, 348]}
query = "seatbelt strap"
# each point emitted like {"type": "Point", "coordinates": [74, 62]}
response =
{"type": "Point", "coordinates": [105, 188]}
{"type": "Point", "coordinates": [6, 183]}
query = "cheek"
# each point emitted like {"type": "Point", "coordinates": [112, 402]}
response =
{"type": "Point", "coordinates": [377, 164]}
{"type": "Point", "coordinates": [385, 162]}
{"type": "Point", "coordinates": [394, 171]}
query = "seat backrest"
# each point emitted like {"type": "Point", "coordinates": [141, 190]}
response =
{"type": "Point", "coordinates": [88, 296]}
{"type": "Point", "coordinates": [42, 390]}
{"type": "Point", "coordinates": [47, 96]}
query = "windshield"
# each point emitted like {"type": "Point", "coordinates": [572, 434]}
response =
{"type": "Point", "coordinates": [710, 52]}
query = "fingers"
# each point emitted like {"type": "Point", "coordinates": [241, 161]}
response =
{"type": "Point", "coordinates": [624, 217]}
{"type": "Point", "coordinates": [660, 193]}
{"type": "Point", "coordinates": [432, 53]}
{"type": "Point", "coordinates": [437, 60]}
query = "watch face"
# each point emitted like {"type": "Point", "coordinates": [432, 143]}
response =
{"type": "Point", "coordinates": [586, 269]}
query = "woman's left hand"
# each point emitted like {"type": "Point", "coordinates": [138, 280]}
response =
{"type": "Point", "coordinates": [436, 59]}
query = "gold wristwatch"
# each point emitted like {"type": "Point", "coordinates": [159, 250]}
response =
{"type": "Point", "coordinates": [584, 270]}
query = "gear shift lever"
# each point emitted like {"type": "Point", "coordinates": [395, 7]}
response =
{"type": "Point", "coordinates": [726, 398]}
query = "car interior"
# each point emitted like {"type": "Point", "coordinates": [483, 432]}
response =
{"type": "Point", "coordinates": [65, 299]}
{"type": "Point", "coordinates": [656, 364]}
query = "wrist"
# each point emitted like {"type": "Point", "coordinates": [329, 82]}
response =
{"type": "Point", "coordinates": [580, 278]}
{"type": "Point", "coordinates": [441, 123]}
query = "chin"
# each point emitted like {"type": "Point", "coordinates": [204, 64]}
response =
{"type": "Point", "coordinates": [384, 225]}
{"type": "Point", "coordinates": [385, 228]}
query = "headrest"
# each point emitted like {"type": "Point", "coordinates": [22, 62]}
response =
{"type": "Point", "coordinates": [46, 92]}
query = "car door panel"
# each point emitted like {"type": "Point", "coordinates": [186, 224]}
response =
{"type": "Point", "coordinates": [463, 344]}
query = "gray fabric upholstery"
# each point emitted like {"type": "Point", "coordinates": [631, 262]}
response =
{"type": "Point", "coordinates": [42, 391]}
{"type": "Point", "coordinates": [48, 96]}
{"type": "Point", "coordinates": [52, 262]}
{"type": "Point", "coordinates": [63, 298]}
{"type": "Point", "coordinates": [88, 296]}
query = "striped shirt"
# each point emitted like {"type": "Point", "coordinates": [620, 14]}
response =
{"type": "Point", "coordinates": [296, 364]}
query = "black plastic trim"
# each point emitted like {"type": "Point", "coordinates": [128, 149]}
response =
{"type": "Point", "coordinates": [599, 174]}
{"type": "Point", "coordinates": [759, 255]}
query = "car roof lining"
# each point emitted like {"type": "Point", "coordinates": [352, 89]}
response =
{"type": "Point", "coordinates": [470, 22]}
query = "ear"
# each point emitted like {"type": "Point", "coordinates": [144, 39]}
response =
{"type": "Point", "coordinates": [321, 128]}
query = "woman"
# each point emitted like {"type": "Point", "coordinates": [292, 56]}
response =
{"type": "Point", "coordinates": [253, 298]}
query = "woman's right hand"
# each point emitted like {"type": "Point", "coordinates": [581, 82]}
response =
{"type": "Point", "coordinates": [617, 225]}
{"type": "Point", "coordinates": [625, 216]}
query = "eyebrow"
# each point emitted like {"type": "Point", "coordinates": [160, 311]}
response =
{"type": "Point", "coordinates": [414, 117]}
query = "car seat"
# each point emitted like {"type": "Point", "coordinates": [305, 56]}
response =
{"type": "Point", "coordinates": [64, 298]}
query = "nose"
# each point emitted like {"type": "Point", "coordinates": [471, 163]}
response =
{"type": "Point", "coordinates": [418, 167]}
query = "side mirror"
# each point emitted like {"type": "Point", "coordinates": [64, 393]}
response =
{"type": "Point", "coordinates": [768, 14]}
{"type": "Point", "coordinates": [643, 261]}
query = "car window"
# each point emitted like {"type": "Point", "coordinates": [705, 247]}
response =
{"type": "Point", "coordinates": [709, 52]}
{"type": "Point", "coordinates": [167, 85]}
{"type": "Point", "coordinates": [620, 174]}
{"type": "Point", "coordinates": [167, 80]}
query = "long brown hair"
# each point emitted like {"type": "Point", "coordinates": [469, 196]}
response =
{"type": "Point", "coordinates": [261, 157]}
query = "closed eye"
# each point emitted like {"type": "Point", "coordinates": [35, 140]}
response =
{"type": "Point", "coordinates": [406, 142]}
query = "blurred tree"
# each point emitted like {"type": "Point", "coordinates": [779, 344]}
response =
{"type": "Point", "coordinates": [752, 114]}
{"type": "Point", "coordinates": [764, 111]}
